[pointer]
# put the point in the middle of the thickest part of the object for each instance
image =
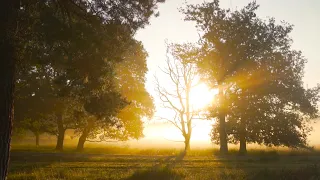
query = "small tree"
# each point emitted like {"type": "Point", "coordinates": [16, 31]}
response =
{"type": "Point", "coordinates": [33, 101]}
{"type": "Point", "coordinates": [38, 106]}
{"type": "Point", "coordinates": [174, 93]}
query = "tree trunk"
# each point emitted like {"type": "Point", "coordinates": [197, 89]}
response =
{"type": "Point", "coordinates": [242, 136]}
{"type": "Point", "coordinates": [61, 133]}
{"type": "Point", "coordinates": [60, 140]}
{"type": "Point", "coordinates": [243, 145]}
{"type": "Point", "coordinates": [223, 135]}
{"type": "Point", "coordinates": [82, 140]}
{"type": "Point", "coordinates": [8, 21]}
{"type": "Point", "coordinates": [189, 121]}
{"type": "Point", "coordinates": [84, 136]}
{"type": "Point", "coordinates": [222, 123]}
{"type": "Point", "coordinates": [187, 144]}
{"type": "Point", "coordinates": [37, 139]}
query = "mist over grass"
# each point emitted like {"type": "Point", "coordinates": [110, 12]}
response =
{"type": "Point", "coordinates": [114, 162]}
{"type": "Point", "coordinates": [95, 148]}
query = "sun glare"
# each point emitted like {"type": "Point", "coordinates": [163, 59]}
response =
{"type": "Point", "coordinates": [201, 96]}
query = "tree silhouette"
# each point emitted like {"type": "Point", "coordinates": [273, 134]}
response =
{"type": "Point", "coordinates": [175, 94]}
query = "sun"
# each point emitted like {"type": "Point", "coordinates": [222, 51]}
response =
{"type": "Point", "coordinates": [201, 96]}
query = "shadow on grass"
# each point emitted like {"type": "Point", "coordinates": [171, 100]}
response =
{"type": "Point", "coordinates": [163, 170]}
{"type": "Point", "coordinates": [310, 172]}
{"type": "Point", "coordinates": [26, 167]}
{"type": "Point", "coordinates": [157, 173]}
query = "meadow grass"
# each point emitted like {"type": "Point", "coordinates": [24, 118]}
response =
{"type": "Point", "coordinates": [114, 162]}
{"type": "Point", "coordinates": [126, 150]}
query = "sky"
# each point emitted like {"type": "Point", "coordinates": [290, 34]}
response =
{"type": "Point", "coordinates": [171, 27]}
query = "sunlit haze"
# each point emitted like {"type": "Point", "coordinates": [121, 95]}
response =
{"type": "Point", "coordinates": [201, 96]}
{"type": "Point", "coordinates": [171, 26]}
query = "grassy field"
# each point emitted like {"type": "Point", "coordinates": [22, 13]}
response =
{"type": "Point", "coordinates": [28, 162]}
